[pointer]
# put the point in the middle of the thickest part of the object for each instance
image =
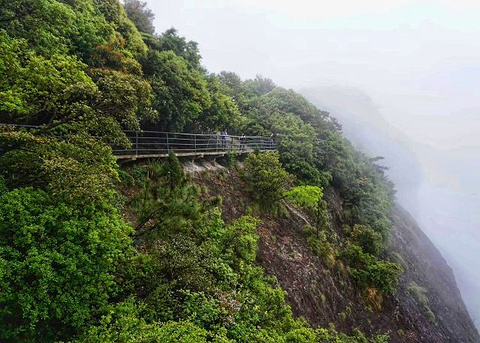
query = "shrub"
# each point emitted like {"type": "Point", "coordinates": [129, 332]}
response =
{"type": "Point", "coordinates": [370, 272]}
{"type": "Point", "coordinates": [310, 198]}
{"type": "Point", "coordinates": [365, 237]}
{"type": "Point", "coordinates": [320, 246]}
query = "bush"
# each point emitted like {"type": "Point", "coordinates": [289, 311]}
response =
{"type": "Point", "coordinates": [369, 240]}
{"type": "Point", "coordinates": [369, 272]}
{"type": "Point", "coordinates": [310, 198]}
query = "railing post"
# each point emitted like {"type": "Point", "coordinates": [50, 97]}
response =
{"type": "Point", "coordinates": [168, 146]}
{"type": "Point", "coordinates": [136, 143]}
{"type": "Point", "coordinates": [195, 142]}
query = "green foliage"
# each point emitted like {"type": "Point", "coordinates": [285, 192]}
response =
{"type": "Point", "coordinates": [173, 171]}
{"type": "Point", "coordinates": [332, 336]}
{"type": "Point", "coordinates": [306, 196]}
{"type": "Point", "coordinates": [165, 191]}
{"type": "Point", "coordinates": [420, 296]}
{"type": "Point", "coordinates": [171, 41]}
{"type": "Point", "coordinates": [312, 148]}
{"type": "Point", "coordinates": [54, 27]}
{"type": "Point", "coordinates": [124, 323]}
{"type": "Point", "coordinates": [142, 16]}
{"type": "Point", "coordinates": [296, 139]}
{"type": "Point", "coordinates": [36, 89]}
{"type": "Point", "coordinates": [318, 242]}
{"type": "Point", "coordinates": [69, 269]}
{"type": "Point", "coordinates": [222, 112]}
{"type": "Point", "coordinates": [398, 259]}
{"type": "Point", "coordinates": [78, 169]}
{"type": "Point", "coordinates": [181, 93]}
{"type": "Point", "coordinates": [366, 193]}
{"type": "Point", "coordinates": [58, 91]}
{"type": "Point", "coordinates": [265, 178]}
{"type": "Point", "coordinates": [369, 272]}
{"type": "Point", "coordinates": [287, 101]}
{"type": "Point", "coordinates": [310, 198]}
{"type": "Point", "coordinates": [203, 271]}
{"type": "Point", "coordinates": [419, 293]}
{"type": "Point", "coordinates": [57, 264]}
{"type": "Point", "coordinates": [365, 237]}
{"type": "Point", "coordinates": [258, 86]}
{"type": "Point", "coordinates": [126, 31]}
{"type": "Point", "coordinates": [125, 97]}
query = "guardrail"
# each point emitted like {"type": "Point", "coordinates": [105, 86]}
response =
{"type": "Point", "coordinates": [156, 143]}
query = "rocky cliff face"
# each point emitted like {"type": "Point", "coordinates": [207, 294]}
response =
{"type": "Point", "coordinates": [426, 308]}
{"type": "Point", "coordinates": [442, 317]}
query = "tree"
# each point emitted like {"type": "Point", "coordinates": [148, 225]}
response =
{"type": "Point", "coordinates": [222, 112]}
{"type": "Point", "coordinates": [57, 264]}
{"type": "Point", "coordinates": [258, 86]}
{"type": "Point", "coordinates": [124, 323]}
{"type": "Point", "coordinates": [37, 90]}
{"type": "Point", "coordinates": [165, 190]}
{"type": "Point", "coordinates": [52, 26]}
{"type": "Point", "coordinates": [126, 98]}
{"type": "Point", "coordinates": [369, 272]}
{"type": "Point", "coordinates": [171, 41]}
{"type": "Point", "coordinates": [59, 90]}
{"type": "Point", "coordinates": [181, 94]}
{"type": "Point", "coordinates": [265, 178]}
{"type": "Point", "coordinates": [78, 169]}
{"type": "Point", "coordinates": [141, 15]}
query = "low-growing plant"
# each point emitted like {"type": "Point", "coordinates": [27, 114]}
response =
{"type": "Point", "coordinates": [398, 259]}
{"type": "Point", "coordinates": [420, 295]}
{"type": "Point", "coordinates": [320, 246]}
{"type": "Point", "coordinates": [369, 272]}
{"type": "Point", "coordinates": [369, 240]}
{"type": "Point", "coordinates": [310, 198]}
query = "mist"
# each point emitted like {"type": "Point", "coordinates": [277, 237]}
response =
{"type": "Point", "coordinates": [403, 77]}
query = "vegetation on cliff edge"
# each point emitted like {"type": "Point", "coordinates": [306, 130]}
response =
{"type": "Point", "coordinates": [81, 263]}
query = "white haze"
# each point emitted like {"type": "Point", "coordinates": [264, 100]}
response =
{"type": "Point", "coordinates": [414, 63]}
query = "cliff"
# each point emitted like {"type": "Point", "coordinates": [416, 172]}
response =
{"type": "Point", "coordinates": [427, 306]}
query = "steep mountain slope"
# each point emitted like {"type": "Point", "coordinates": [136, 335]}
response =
{"type": "Point", "coordinates": [326, 295]}
{"type": "Point", "coordinates": [434, 182]}
{"type": "Point", "coordinates": [91, 251]}
{"type": "Point", "coordinates": [425, 266]}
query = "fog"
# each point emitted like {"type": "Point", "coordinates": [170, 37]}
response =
{"type": "Point", "coordinates": [402, 76]}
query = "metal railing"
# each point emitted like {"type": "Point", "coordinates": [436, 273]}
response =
{"type": "Point", "coordinates": [156, 143]}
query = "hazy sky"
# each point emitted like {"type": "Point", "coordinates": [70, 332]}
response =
{"type": "Point", "coordinates": [419, 62]}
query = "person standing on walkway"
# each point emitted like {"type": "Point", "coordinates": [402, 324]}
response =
{"type": "Point", "coordinates": [242, 142]}
{"type": "Point", "coordinates": [224, 137]}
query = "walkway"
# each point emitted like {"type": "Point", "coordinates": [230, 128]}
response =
{"type": "Point", "coordinates": [156, 144]}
